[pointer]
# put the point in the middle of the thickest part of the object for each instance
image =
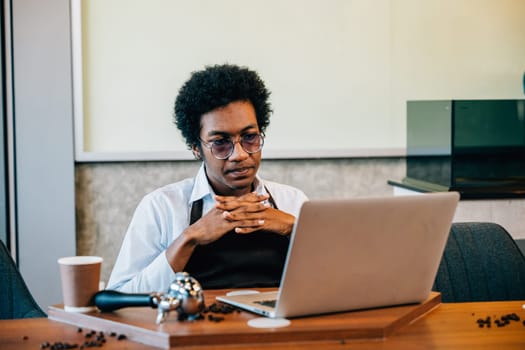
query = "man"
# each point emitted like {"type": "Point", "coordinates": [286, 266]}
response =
{"type": "Point", "coordinates": [226, 227]}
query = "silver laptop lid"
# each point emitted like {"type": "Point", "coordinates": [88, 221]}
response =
{"type": "Point", "coordinates": [362, 253]}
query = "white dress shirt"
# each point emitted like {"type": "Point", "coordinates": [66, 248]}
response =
{"type": "Point", "coordinates": [161, 216]}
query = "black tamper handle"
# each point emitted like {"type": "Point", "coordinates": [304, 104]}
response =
{"type": "Point", "coordinates": [109, 300]}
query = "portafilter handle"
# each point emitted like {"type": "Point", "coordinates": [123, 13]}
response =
{"type": "Point", "coordinates": [111, 300]}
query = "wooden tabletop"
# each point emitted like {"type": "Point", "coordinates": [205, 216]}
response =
{"type": "Point", "coordinates": [449, 326]}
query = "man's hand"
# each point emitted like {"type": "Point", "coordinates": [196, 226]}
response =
{"type": "Point", "coordinates": [252, 212]}
{"type": "Point", "coordinates": [217, 222]}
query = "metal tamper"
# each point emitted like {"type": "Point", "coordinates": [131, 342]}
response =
{"type": "Point", "coordinates": [184, 296]}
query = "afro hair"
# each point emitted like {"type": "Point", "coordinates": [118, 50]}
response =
{"type": "Point", "coordinates": [215, 87]}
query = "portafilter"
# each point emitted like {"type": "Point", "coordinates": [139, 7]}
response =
{"type": "Point", "coordinates": [184, 296]}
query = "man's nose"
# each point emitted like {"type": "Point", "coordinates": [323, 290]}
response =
{"type": "Point", "coordinates": [238, 152]}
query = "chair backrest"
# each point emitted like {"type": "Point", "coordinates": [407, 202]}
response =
{"type": "Point", "coordinates": [481, 262]}
{"type": "Point", "coordinates": [15, 299]}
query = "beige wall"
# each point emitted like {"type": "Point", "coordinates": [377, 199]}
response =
{"type": "Point", "coordinates": [107, 194]}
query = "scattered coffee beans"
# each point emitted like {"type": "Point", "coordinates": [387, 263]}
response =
{"type": "Point", "coordinates": [92, 340]}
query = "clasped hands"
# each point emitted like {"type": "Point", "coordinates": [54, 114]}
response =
{"type": "Point", "coordinates": [244, 214]}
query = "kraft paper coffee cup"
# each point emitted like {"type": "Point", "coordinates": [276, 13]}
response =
{"type": "Point", "coordinates": [80, 276]}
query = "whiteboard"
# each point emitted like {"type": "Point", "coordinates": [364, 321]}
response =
{"type": "Point", "coordinates": [339, 71]}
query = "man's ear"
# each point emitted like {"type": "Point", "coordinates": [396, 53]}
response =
{"type": "Point", "coordinates": [196, 152]}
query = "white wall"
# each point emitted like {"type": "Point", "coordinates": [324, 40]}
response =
{"type": "Point", "coordinates": [340, 71]}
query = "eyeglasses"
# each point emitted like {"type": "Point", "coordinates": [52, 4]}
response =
{"type": "Point", "coordinates": [223, 148]}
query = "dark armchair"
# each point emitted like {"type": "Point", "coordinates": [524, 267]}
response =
{"type": "Point", "coordinates": [481, 262]}
{"type": "Point", "coordinates": [15, 299]}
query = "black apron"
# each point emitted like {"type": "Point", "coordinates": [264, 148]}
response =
{"type": "Point", "coordinates": [238, 260]}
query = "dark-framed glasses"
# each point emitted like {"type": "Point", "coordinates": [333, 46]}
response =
{"type": "Point", "coordinates": [223, 148]}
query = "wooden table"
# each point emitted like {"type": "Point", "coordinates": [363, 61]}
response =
{"type": "Point", "coordinates": [449, 326]}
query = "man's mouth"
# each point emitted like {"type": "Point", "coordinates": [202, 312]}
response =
{"type": "Point", "coordinates": [239, 171]}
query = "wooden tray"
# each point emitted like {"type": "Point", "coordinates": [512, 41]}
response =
{"type": "Point", "coordinates": [138, 324]}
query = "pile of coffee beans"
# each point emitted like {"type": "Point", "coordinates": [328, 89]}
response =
{"type": "Point", "coordinates": [220, 308]}
{"type": "Point", "coordinates": [211, 311]}
{"type": "Point", "coordinates": [499, 322]}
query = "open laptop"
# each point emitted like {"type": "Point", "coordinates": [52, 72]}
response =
{"type": "Point", "coordinates": [359, 253]}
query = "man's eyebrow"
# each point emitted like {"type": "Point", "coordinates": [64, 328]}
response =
{"type": "Point", "coordinates": [227, 134]}
{"type": "Point", "coordinates": [218, 133]}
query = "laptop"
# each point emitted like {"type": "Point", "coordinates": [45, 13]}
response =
{"type": "Point", "coordinates": [353, 254]}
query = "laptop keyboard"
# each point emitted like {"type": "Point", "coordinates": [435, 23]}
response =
{"type": "Point", "coordinates": [268, 303]}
